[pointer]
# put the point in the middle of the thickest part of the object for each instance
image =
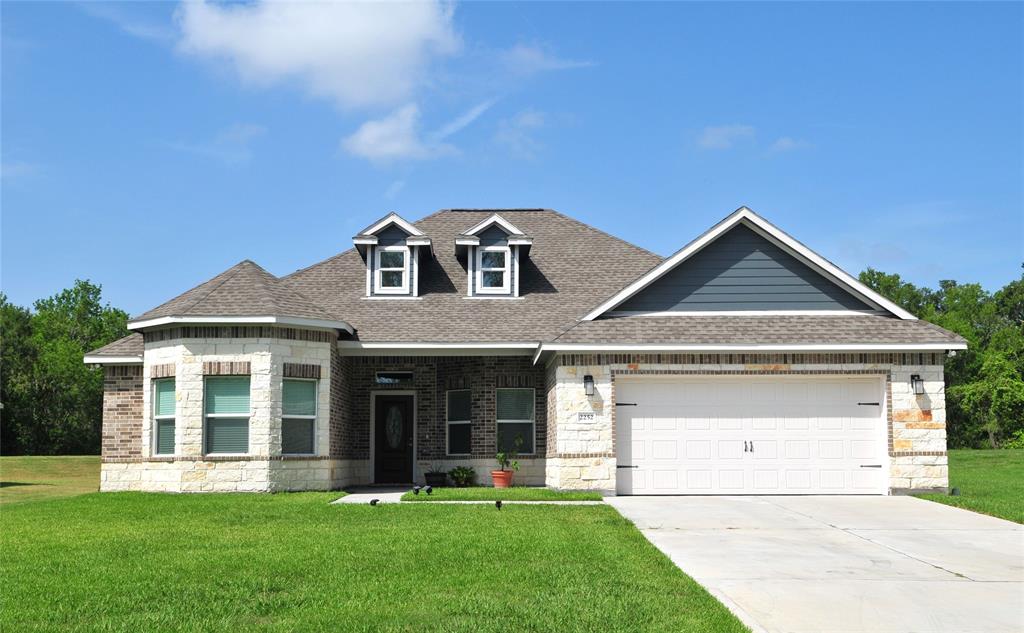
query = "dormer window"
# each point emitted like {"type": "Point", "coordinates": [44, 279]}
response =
{"type": "Point", "coordinates": [392, 269]}
{"type": "Point", "coordinates": [392, 249]}
{"type": "Point", "coordinates": [493, 267]}
{"type": "Point", "coordinates": [493, 249]}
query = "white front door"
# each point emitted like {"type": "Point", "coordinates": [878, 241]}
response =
{"type": "Point", "coordinates": [751, 435]}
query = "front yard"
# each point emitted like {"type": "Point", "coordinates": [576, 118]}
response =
{"type": "Point", "coordinates": [990, 482]}
{"type": "Point", "coordinates": [292, 562]}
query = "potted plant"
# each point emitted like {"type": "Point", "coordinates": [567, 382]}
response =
{"type": "Point", "coordinates": [436, 477]}
{"type": "Point", "coordinates": [507, 465]}
{"type": "Point", "coordinates": [462, 476]}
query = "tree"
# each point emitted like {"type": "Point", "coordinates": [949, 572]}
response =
{"type": "Point", "coordinates": [52, 400]}
{"type": "Point", "coordinates": [995, 400]}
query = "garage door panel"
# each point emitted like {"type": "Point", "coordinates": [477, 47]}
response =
{"type": "Point", "coordinates": [751, 435]}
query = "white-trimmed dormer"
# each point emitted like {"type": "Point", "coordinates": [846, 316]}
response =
{"type": "Point", "coordinates": [493, 250]}
{"type": "Point", "coordinates": [392, 249]}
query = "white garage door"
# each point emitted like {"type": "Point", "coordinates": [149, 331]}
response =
{"type": "Point", "coordinates": [751, 435]}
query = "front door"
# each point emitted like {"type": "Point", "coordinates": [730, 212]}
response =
{"type": "Point", "coordinates": [392, 439]}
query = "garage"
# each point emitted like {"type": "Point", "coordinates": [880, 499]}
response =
{"type": "Point", "coordinates": [745, 434]}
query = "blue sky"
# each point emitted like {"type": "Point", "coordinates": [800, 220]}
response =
{"type": "Point", "coordinates": [149, 146]}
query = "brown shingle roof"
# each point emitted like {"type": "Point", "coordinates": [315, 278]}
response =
{"type": "Point", "coordinates": [571, 267]}
{"type": "Point", "coordinates": [245, 289]}
{"type": "Point", "coordinates": [758, 330]}
{"type": "Point", "coordinates": [130, 345]}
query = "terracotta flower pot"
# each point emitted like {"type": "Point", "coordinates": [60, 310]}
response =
{"type": "Point", "coordinates": [502, 478]}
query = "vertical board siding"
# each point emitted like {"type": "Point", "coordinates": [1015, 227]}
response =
{"type": "Point", "coordinates": [742, 271]}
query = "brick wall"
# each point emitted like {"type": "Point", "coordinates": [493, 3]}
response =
{"type": "Point", "coordinates": [432, 377]}
{"type": "Point", "coordinates": [122, 411]}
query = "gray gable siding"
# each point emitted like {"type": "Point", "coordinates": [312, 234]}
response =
{"type": "Point", "coordinates": [742, 271]}
{"type": "Point", "coordinates": [391, 236]}
{"type": "Point", "coordinates": [493, 235]}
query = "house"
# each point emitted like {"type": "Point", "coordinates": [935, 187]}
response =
{"type": "Point", "coordinates": [745, 363]}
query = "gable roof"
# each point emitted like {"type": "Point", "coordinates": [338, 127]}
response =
{"type": "Point", "coordinates": [558, 283]}
{"type": "Point", "coordinates": [772, 233]}
{"type": "Point", "coordinates": [244, 293]}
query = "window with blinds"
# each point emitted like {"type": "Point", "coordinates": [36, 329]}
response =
{"type": "Point", "coordinates": [298, 417]}
{"type": "Point", "coordinates": [227, 415]}
{"type": "Point", "coordinates": [164, 402]}
{"type": "Point", "coordinates": [516, 423]}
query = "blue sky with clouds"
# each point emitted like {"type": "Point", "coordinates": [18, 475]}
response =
{"type": "Point", "coordinates": [149, 146]}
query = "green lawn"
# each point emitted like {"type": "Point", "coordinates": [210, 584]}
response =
{"type": "Point", "coordinates": [990, 481]}
{"type": "Point", "coordinates": [35, 478]}
{"type": "Point", "coordinates": [517, 493]}
{"type": "Point", "coordinates": [292, 562]}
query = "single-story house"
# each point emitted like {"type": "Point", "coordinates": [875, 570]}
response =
{"type": "Point", "coordinates": [745, 363]}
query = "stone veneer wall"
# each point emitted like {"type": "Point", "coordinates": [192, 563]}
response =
{"type": "Point", "coordinates": [122, 412]}
{"type": "Point", "coordinates": [189, 354]}
{"type": "Point", "coordinates": [582, 455]}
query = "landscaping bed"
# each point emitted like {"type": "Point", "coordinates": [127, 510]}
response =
{"type": "Point", "coordinates": [516, 493]}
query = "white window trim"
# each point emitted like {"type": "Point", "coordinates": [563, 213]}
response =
{"type": "Point", "coordinates": [400, 290]}
{"type": "Point", "coordinates": [506, 287]}
{"type": "Point", "coordinates": [532, 421]}
{"type": "Point", "coordinates": [247, 416]}
{"type": "Point", "coordinates": [158, 418]}
{"type": "Point", "coordinates": [316, 412]}
{"type": "Point", "coordinates": [447, 423]}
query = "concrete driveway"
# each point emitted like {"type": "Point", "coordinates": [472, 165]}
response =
{"type": "Point", "coordinates": [851, 564]}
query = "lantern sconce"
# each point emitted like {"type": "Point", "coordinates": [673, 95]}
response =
{"type": "Point", "coordinates": [917, 384]}
{"type": "Point", "coordinates": [588, 385]}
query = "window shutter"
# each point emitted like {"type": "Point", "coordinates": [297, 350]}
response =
{"type": "Point", "coordinates": [515, 404]}
{"type": "Point", "coordinates": [298, 397]}
{"type": "Point", "coordinates": [460, 405]}
{"type": "Point", "coordinates": [164, 400]}
{"type": "Point", "coordinates": [227, 435]}
{"type": "Point", "coordinates": [227, 394]}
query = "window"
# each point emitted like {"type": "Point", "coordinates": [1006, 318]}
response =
{"type": "Point", "coordinates": [493, 269]}
{"type": "Point", "coordinates": [515, 419]}
{"type": "Point", "coordinates": [459, 420]}
{"type": "Point", "coordinates": [298, 417]}
{"type": "Point", "coordinates": [163, 416]}
{"type": "Point", "coordinates": [394, 378]}
{"type": "Point", "coordinates": [227, 415]}
{"type": "Point", "coordinates": [392, 269]}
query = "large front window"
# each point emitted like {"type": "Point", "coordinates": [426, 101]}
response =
{"type": "Point", "coordinates": [516, 420]}
{"type": "Point", "coordinates": [298, 417]}
{"type": "Point", "coordinates": [164, 402]}
{"type": "Point", "coordinates": [227, 415]}
{"type": "Point", "coordinates": [493, 269]}
{"type": "Point", "coordinates": [459, 422]}
{"type": "Point", "coordinates": [393, 269]}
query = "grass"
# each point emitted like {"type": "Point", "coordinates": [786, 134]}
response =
{"type": "Point", "coordinates": [990, 482]}
{"type": "Point", "coordinates": [34, 478]}
{"type": "Point", "coordinates": [517, 493]}
{"type": "Point", "coordinates": [292, 562]}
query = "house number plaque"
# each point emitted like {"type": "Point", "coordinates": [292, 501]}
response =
{"type": "Point", "coordinates": [585, 417]}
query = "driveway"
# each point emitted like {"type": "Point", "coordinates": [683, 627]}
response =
{"type": "Point", "coordinates": [851, 564]}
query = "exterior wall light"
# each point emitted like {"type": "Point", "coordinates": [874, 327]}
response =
{"type": "Point", "coordinates": [588, 385]}
{"type": "Point", "coordinates": [917, 384]}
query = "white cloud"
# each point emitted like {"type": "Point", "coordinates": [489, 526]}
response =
{"type": "Point", "coordinates": [529, 59]}
{"type": "Point", "coordinates": [516, 133]}
{"type": "Point", "coordinates": [789, 144]}
{"type": "Point", "coordinates": [354, 53]}
{"type": "Point", "coordinates": [724, 136]}
{"type": "Point", "coordinates": [232, 146]}
{"type": "Point", "coordinates": [398, 136]}
{"type": "Point", "coordinates": [394, 137]}
{"type": "Point", "coordinates": [11, 170]}
{"type": "Point", "coordinates": [394, 189]}
{"type": "Point", "coordinates": [120, 14]}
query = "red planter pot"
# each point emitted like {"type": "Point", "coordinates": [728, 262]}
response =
{"type": "Point", "coordinates": [502, 478]}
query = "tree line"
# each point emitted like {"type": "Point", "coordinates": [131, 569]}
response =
{"type": "Point", "coordinates": [52, 402]}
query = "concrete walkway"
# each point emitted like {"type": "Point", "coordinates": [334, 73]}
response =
{"type": "Point", "coordinates": [844, 564]}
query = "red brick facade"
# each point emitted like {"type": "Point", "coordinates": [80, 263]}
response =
{"type": "Point", "coordinates": [122, 412]}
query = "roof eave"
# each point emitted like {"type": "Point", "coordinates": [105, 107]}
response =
{"type": "Point", "coordinates": [305, 322]}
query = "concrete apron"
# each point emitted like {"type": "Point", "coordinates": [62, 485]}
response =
{"type": "Point", "coordinates": [843, 564]}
